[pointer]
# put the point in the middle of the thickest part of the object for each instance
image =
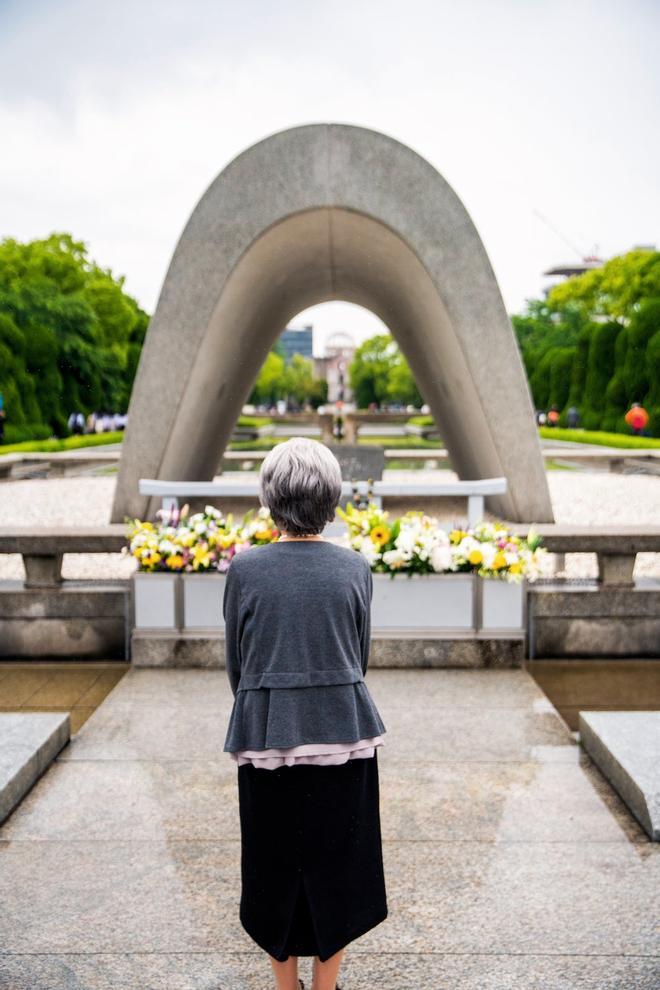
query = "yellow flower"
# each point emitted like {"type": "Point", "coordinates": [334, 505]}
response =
{"type": "Point", "coordinates": [475, 557]}
{"type": "Point", "coordinates": [174, 561]}
{"type": "Point", "coordinates": [516, 568]}
{"type": "Point", "coordinates": [380, 535]}
{"type": "Point", "coordinates": [264, 534]}
{"type": "Point", "coordinates": [499, 560]}
{"type": "Point", "coordinates": [457, 535]}
{"type": "Point", "coordinates": [201, 557]}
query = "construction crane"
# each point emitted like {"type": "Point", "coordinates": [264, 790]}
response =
{"type": "Point", "coordinates": [587, 261]}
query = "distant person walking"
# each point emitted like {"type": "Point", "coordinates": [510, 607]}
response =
{"type": "Point", "coordinates": [637, 418]}
{"type": "Point", "coordinates": [76, 423]}
{"type": "Point", "coordinates": [572, 418]}
{"type": "Point", "coordinates": [2, 418]}
{"type": "Point", "coordinates": [553, 416]}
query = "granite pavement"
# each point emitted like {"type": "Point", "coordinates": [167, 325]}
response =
{"type": "Point", "coordinates": [509, 860]}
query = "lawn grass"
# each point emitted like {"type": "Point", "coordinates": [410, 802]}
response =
{"type": "Point", "coordinates": [623, 440]}
{"type": "Point", "coordinates": [65, 443]}
{"type": "Point", "coordinates": [619, 440]}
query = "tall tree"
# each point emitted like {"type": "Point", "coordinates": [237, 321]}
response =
{"type": "Point", "coordinates": [79, 331]}
{"type": "Point", "coordinates": [370, 370]}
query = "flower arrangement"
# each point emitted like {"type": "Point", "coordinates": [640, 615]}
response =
{"type": "Point", "coordinates": [490, 549]}
{"type": "Point", "coordinates": [417, 544]}
{"type": "Point", "coordinates": [413, 543]}
{"type": "Point", "coordinates": [203, 541]}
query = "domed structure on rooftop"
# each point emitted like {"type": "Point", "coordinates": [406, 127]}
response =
{"type": "Point", "coordinates": [339, 341]}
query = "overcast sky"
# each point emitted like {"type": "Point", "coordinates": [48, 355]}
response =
{"type": "Point", "coordinates": [115, 116]}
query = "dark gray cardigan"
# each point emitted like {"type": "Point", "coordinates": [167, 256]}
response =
{"type": "Point", "coordinates": [297, 631]}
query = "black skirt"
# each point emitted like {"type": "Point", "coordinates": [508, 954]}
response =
{"type": "Point", "coordinates": [311, 856]}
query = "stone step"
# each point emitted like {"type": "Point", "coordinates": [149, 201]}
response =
{"type": "Point", "coordinates": [29, 742]}
{"type": "Point", "coordinates": [625, 746]}
{"type": "Point", "coordinates": [156, 648]}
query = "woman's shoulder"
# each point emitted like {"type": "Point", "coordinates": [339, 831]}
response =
{"type": "Point", "coordinates": [276, 553]}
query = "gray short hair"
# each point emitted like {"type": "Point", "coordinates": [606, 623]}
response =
{"type": "Point", "coordinates": [300, 484]}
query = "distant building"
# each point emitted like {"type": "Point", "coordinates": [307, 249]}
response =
{"type": "Point", "coordinates": [559, 273]}
{"type": "Point", "coordinates": [333, 366]}
{"type": "Point", "coordinates": [297, 341]}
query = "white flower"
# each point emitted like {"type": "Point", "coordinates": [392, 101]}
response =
{"type": "Point", "coordinates": [393, 558]}
{"type": "Point", "coordinates": [441, 558]}
{"type": "Point", "coordinates": [369, 551]}
{"type": "Point", "coordinates": [405, 541]}
{"type": "Point", "coordinates": [467, 544]}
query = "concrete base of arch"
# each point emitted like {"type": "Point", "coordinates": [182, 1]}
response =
{"type": "Point", "coordinates": [308, 215]}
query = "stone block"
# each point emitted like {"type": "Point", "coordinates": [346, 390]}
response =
{"type": "Point", "coordinates": [29, 742]}
{"type": "Point", "coordinates": [601, 637]}
{"type": "Point", "coordinates": [616, 569]}
{"type": "Point", "coordinates": [626, 748]}
{"type": "Point", "coordinates": [594, 621]}
{"type": "Point", "coordinates": [155, 649]}
{"type": "Point", "coordinates": [43, 571]}
{"type": "Point", "coordinates": [72, 599]}
{"type": "Point", "coordinates": [359, 461]}
{"type": "Point", "coordinates": [71, 638]}
{"type": "Point", "coordinates": [77, 620]}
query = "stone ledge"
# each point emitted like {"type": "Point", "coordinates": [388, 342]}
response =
{"type": "Point", "coordinates": [153, 649]}
{"type": "Point", "coordinates": [29, 742]}
{"type": "Point", "coordinates": [593, 601]}
{"type": "Point", "coordinates": [626, 748]}
{"type": "Point", "coordinates": [79, 599]}
{"type": "Point", "coordinates": [618, 636]}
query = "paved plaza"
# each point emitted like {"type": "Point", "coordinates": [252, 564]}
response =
{"type": "Point", "coordinates": [509, 860]}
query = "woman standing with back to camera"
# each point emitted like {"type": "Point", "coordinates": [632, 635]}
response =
{"type": "Point", "coordinates": [304, 729]}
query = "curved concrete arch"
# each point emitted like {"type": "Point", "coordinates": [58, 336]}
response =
{"type": "Point", "coordinates": [321, 212]}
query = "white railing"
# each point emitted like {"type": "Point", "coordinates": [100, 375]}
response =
{"type": "Point", "coordinates": [475, 491]}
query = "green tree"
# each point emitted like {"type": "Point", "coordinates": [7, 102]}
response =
{"type": "Point", "coordinates": [601, 365]}
{"type": "Point", "coordinates": [652, 402]}
{"type": "Point", "coordinates": [402, 386]}
{"type": "Point", "coordinates": [369, 371]}
{"type": "Point", "coordinates": [299, 378]}
{"type": "Point", "coordinates": [269, 386]}
{"type": "Point", "coordinates": [614, 290]}
{"type": "Point", "coordinates": [592, 342]}
{"type": "Point", "coordinates": [80, 331]}
{"type": "Point", "coordinates": [318, 395]}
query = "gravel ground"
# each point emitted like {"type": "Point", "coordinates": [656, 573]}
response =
{"type": "Point", "coordinates": [580, 498]}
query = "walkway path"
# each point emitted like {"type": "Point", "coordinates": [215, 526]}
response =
{"type": "Point", "coordinates": [509, 861]}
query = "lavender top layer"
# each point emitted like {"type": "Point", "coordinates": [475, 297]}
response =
{"type": "Point", "coordinates": [322, 754]}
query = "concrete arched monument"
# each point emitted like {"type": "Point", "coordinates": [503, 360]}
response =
{"type": "Point", "coordinates": [311, 214]}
